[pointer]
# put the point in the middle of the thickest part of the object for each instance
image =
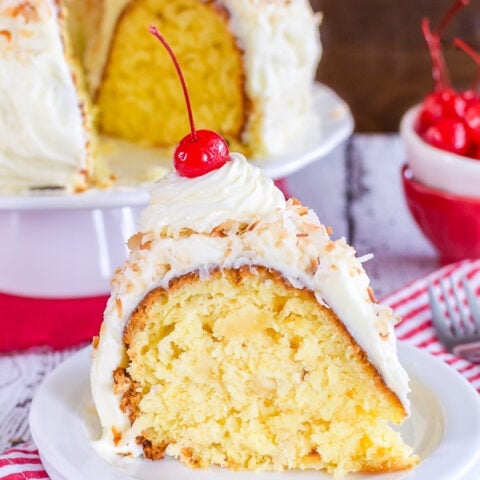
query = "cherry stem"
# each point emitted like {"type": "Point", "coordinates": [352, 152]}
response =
{"type": "Point", "coordinates": [439, 69]}
{"type": "Point", "coordinates": [433, 39]}
{"type": "Point", "coordinates": [449, 15]}
{"type": "Point", "coordinates": [473, 55]}
{"type": "Point", "coordinates": [157, 34]}
{"type": "Point", "coordinates": [468, 50]}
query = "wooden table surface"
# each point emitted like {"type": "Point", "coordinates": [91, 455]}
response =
{"type": "Point", "coordinates": [384, 41]}
{"type": "Point", "coordinates": [356, 190]}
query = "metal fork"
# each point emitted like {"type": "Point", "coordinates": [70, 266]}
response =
{"type": "Point", "coordinates": [458, 329]}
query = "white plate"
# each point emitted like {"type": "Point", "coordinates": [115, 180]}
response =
{"type": "Point", "coordinates": [335, 122]}
{"type": "Point", "coordinates": [90, 199]}
{"type": "Point", "coordinates": [444, 429]}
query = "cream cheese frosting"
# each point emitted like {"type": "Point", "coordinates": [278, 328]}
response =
{"type": "Point", "coordinates": [233, 192]}
{"type": "Point", "coordinates": [258, 228]}
{"type": "Point", "coordinates": [43, 142]}
{"type": "Point", "coordinates": [281, 44]}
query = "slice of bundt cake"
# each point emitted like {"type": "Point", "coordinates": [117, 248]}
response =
{"type": "Point", "coordinates": [250, 66]}
{"type": "Point", "coordinates": [239, 334]}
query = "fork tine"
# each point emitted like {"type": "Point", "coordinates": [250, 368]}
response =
{"type": "Point", "coordinates": [443, 332]}
{"type": "Point", "coordinates": [473, 303]}
{"type": "Point", "coordinates": [454, 324]}
{"type": "Point", "coordinates": [469, 328]}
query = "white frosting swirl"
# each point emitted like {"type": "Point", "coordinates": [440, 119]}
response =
{"type": "Point", "coordinates": [235, 192]}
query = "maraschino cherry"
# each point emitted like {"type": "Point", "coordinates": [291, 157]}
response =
{"type": "Point", "coordinates": [472, 100]}
{"type": "Point", "coordinates": [448, 134]}
{"type": "Point", "coordinates": [201, 151]}
{"type": "Point", "coordinates": [448, 119]}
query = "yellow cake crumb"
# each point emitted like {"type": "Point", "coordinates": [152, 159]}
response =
{"type": "Point", "coordinates": [244, 371]}
{"type": "Point", "coordinates": [131, 103]}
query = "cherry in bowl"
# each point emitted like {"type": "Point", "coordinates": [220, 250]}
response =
{"type": "Point", "coordinates": [437, 167]}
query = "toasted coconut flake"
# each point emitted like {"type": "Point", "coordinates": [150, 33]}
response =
{"type": "Point", "coordinates": [135, 268]}
{"type": "Point", "coordinates": [224, 228]}
{"type": "Point", "coordinates": [26, 33]}
{"type": "Point", "coordinates": [371, 295]}
{"type": "Point", "coordinates": [119, 307]}
{"type": "Point", "coordinates": [253, 225]}
{"type": "Point", "coordinates": [302, 211]}
{"type": "Point", "coordinates": [129, 287]}
{"type": "Point", "coordinates": [7, 34]}
{"type": "Point", "coordinates": [135, 241]}
{"type": "Point", "coordinates": [25, 9]}
{"type": "Point", "coordinates": [396, 320]}
{"type": "Point", "coordinates": [147, 245]}
{"type": "Point", "coordinates": [330, 247]}
{"type": "Point", "coordinates": [117, 436]}
{"type": "Point", "coordinates": [312, 226]}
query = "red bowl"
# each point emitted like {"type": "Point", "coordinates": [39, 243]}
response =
{"type": "Point", "coordinates": [451, 222]}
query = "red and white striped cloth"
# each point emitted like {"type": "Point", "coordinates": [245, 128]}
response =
{"type": "Point", "coordinates": [22, 463]}
{"type": "Point", "coordinates": [410, 302]}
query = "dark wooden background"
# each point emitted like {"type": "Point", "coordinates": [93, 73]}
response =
{"type": "Point", "coordinates": [375, 56]}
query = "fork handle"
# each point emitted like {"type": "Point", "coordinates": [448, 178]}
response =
{"type": "Point", "coordinates": [470, 351]}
